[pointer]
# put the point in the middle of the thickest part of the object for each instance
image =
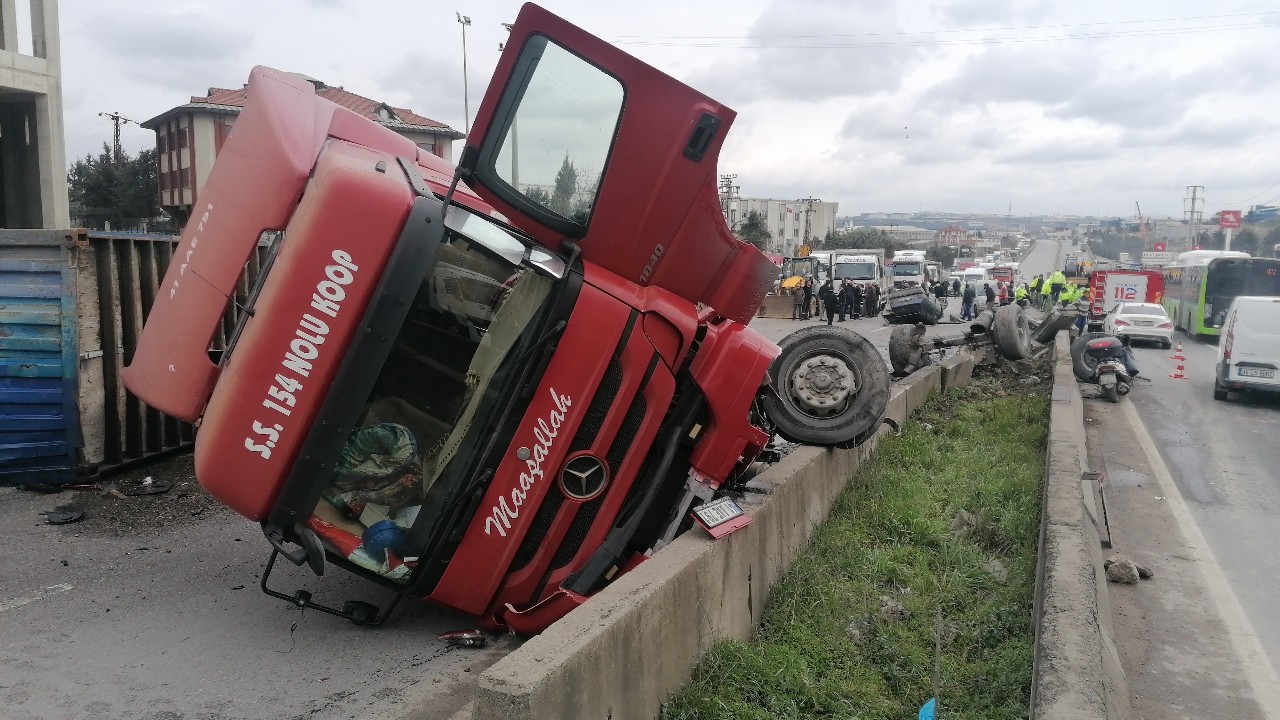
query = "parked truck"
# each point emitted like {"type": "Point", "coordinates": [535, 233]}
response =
{"type": "Point", "coordinates": [862, 266]}
{"type": "Point", "coordinates": [1111, 287]}
{"type": "Point", "coordinates": [907, 268]}
{"type": "Point", "coordinates": [451, 386]}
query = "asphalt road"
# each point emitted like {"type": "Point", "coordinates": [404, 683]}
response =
{"type": "Point", "coordinates": [1224, 458]}
{"type": "Point", "coordinates": [150, 608]}
{"type": "Point", "coordinates": [1195, 490]}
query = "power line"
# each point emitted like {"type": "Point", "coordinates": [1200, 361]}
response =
{"type": "Point", "coordinates": [969, 30]}
{"type": "Point", "coordinates": [1154, 32]}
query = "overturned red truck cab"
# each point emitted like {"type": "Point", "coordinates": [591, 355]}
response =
{"type": "Point", "coordinates": [488, 386]}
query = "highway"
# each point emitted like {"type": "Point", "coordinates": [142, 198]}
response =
{"type": "Point", "coordinates": [1193, 492]}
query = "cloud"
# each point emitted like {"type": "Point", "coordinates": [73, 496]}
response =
{"type": "Point", "coordinates": [169, 49]}
{"type": "Point", "coordinates": [789, 57]}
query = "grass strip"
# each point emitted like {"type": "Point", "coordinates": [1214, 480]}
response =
{"type": "Point", "coordinates": [946, 517]}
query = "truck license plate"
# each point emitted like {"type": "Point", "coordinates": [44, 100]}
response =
{"type": "Point", "coordinates": [1256, 372]}
{"type": "Point", "coordinates": [721, 517]}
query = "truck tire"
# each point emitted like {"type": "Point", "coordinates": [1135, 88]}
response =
{"type": "Point", "coordinates": [906, 354]}
{"type": "Point", "coordinates": [831, 387]}
{"type": "Point", "coordinates": [1081, 365]}
{"type": "Point", "coordinates": [1012, 333]}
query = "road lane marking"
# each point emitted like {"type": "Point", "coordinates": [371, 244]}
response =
{"type": "Point", "coordinates": [37, 595]}
{"type": "Point", "coordinates": [1259, 672]}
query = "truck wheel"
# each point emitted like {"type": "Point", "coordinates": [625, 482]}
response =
{"type": "Point", "coordinates": [906, 353]}
{"type": "Point", "coordinates": [831, 387]}
{"type": "Point", "coordinates": [1012, 333]}
{"type": "Point", "coordinates": [1082, 365]}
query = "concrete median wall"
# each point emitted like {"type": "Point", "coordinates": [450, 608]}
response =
{"type": "Point", "coordinates": [622, 654]}
{"type": "Point", "coordinates": [629, 649]}
{"type": "Point", "coordinates": [1077, 673]}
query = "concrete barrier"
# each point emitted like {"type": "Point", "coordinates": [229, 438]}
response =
{"type": "Point", "coordinates": [958, 369]}
{"type": "Point", "coordinates": [636, 643]}
{"type": "Point", "coordinates": [1077, 672]}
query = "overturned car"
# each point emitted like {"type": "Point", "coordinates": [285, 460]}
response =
{"type": "Point", "coordinates": [463, 383]}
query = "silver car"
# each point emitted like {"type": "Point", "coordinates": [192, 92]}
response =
{"type": "Point", "coordinates": [1140, 321]}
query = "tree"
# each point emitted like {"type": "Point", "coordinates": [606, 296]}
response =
{"type": "Point", "coordinates": [1246, 241]}
{"type": "Point", "coordinates": [944, 254]}
{"type": "Point", "coordinates": [1271, 242]}
{"type": "Point", "coordinates": [102, 190]}
{"type": "Point", "coordinates": [565, 188]}
{"type": "Point", "coordinates": [754, 230]}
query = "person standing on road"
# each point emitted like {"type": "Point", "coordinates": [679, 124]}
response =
{"type": "Point", "coordinates": [1057, 281]}
{"type": "Point", "coordinates": [806, 294]}
{"type": "Point", "coordinates": [870, 300]}
{"type": "Point", "coordinates": [855, 299]}
{"type": "Point", "coordinates": [1002, 293]}
{"type": "Point", "coordinates": [1020, 294]}
{"type": "Point", "coordinates": [967, 299]}
{"type": "Point", "coordinates": [988, 293]}
{"type": "Point", "coordinates": [955, 287]}
{"type": "Point", "coordinates": [830, 302]}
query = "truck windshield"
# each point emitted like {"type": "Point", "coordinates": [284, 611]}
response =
{"type": "Point", "coordinates": [856, 271]}
{"type": "Point", "coordinates": [475, 315]}
{"type": "Point", "coordinates": [907, 270]}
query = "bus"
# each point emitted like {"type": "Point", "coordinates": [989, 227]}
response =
{"type": "Point", "coordinates": [1200, 285]}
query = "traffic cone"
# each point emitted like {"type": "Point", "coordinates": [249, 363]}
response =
{"type": "Point", "coordinates": [1177, 372]}
{"type": "Point", "coordinates": [1177, 354]}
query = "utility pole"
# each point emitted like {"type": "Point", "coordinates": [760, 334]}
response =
{"type": "Point", "coordinates": [466, 102]}
{"type": "Point", "coordinates": [515, 131]}
{"type": "Point", "coordinates": [116, 120]}
{"type": "Point", "coordinates": [808, 218]}
{"type": "Point", "coordinates": [729, 199]}
{"type": "Point", "coordinates": [1193, 208]}
{"type": "Point", "coordinates": [117, 161]}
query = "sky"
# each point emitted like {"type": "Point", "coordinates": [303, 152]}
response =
{"type": "Point", "coordinates": [1035, 107]}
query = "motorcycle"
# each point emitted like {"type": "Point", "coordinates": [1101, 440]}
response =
{"type": "Point", "coordinates": [1105, 360]}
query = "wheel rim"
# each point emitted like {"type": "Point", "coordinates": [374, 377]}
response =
{"type": "Point", "coordinates": [822, 384]}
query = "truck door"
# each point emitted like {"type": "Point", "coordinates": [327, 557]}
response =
{"type": "Point", "coordinates": [577, 141]}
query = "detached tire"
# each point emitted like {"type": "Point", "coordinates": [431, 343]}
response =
{"type": "Point", "coordinates": [831, 388]}
{"type": "Point", "coordinates": [1081, 364]}
{"type": "Point", "coordinates": [1012, 333]}
{"type": "Point", "coordinates": [906, 354]}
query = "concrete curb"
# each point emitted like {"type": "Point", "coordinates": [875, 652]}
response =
{"type": "Point", "coordinates": [1077, 671]}
{"type": "Point", "coordinates": [631, 647]}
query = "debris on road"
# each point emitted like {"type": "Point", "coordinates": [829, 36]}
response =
{"type": "Point", "coordinates": [63, 514]}
{"type": "Point", "coordinates": [1121, 569]}
{"type": "Point", "coordinates": [464, 638]}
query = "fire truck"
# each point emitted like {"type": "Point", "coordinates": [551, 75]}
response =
{"type": "Point", "coordinates": [1108, 288]}
{"type": "Point", "coordinates": [472, 384]}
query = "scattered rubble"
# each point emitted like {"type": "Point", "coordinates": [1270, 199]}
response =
{"type": "Point", "coordinates": [1121, 569]}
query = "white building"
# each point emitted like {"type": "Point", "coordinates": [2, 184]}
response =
{"type": "Point", "coordinates": [33, 160]}
{"type": "Point", "coordinates": [785, 220]}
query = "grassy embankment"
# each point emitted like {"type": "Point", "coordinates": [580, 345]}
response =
{"type": "Point", "coordinates": [945, 518]}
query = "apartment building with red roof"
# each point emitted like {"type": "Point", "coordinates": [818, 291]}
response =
{"type": "Point", "coordinates": [190, 136]}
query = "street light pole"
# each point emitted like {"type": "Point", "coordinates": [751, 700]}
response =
{"type": "Point", "coordinates": [515, 135]}
{"type": "Point", "coordinates": [466, 102]}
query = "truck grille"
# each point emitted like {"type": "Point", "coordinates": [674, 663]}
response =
{"type": "Point", "coordinates": [586, 516]}
{"type": "Point", "coordinates": [591, 422]}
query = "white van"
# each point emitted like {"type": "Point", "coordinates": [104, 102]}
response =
{"type": "Point", "coordinates": [1249, 352]}
{"type": "Point", "coordinates": [975, 277]}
